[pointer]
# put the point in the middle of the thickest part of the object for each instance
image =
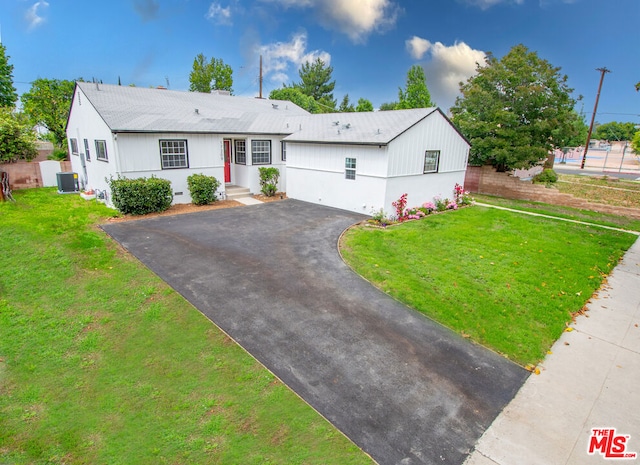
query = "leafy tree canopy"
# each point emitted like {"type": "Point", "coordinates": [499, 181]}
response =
{"type": "Point", "coordinates": [345, 105]}
{"type": "Point", "coordinates": [635, 143]}
{"type": "Point", "coordinates": [315, 81]}
{"type": "Point", "coordinates": [364, 105]}
{"type": "Point", "coordinates": [210, 75]}
{"type": "Point", "coordinates": [293, 94]}
{"type": "Point", "coordinates": [17, 138]}
{"type": "Point", "coordinates": [388, 106]}
{"type": "Point", "coordinates": [515, 110]}
{"type": "Point", "coordinates": [415, 93]}
{"type": "Point", "coordinates": [8, 94]}
{"type": "Point", "coordinates": [48, 103]}
{"type": "Point", "coordinates": [615, 131]}
{"type": "Point", "coordinates": [576, 135]}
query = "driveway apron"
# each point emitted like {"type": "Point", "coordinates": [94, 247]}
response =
{"type": "Point", "coordinates": [403, 388]}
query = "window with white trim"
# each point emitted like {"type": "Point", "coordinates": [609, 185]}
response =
{"type": "Point", "coordinates": [173, 154]}
{"type": "Point", "coordinates": [261, 152]}
{"type": "Point", "coordinates": [431, 161]}
{"type": "Point", "coordinates": [101, 150]}
{"type": "Point", "coordinates": [283, 149]}
{"type": "Point", "coordinates": [241, 152]}
{"type": "Point", "coordinates": [87, 154]}
{"type": "Point", "coordinates": [350, 168]}
{"type": "Point", "coordinates": [74, 146]}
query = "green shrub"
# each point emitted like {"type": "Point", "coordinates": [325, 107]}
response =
{"type": "Point", "coordinates": [58, 155]}
{"type": "Point", "coordinates": [141, 196]}
{"type": "Point", "coordinates": [202, 189]}
{"type": "Point", "coordinates": [269, 180]}
{"type": "Point", "coordinates": [547, 177]}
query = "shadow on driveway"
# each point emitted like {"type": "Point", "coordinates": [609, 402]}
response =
{"type": "Point", "coordinates": [402, 387]}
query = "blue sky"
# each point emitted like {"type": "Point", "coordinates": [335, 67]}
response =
{"type": "Point", "coordinates": [370, 43]}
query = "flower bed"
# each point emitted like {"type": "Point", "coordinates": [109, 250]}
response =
{"type": "Point", "coordinates": [439, 204]}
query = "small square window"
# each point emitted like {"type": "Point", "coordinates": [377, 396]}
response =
{"type": "Point", "coordinates": [241, 152]}
{"type": "Point", "coordinates": [431, 161]}
{"type": "Point", "coordinates": [101, 150]}
{"type": "Point", "coordinates": [261, 152]}
{"type": "Point", "coordinates": [350, 168]}
{"type": "Point", "coordinates": [173, 154]}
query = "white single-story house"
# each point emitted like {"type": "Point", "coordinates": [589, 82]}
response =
{"type": "Point", "coordinates": [139, 132]}
{"type": "Point", "coordinates": [355, 161]}
{"type": "Point", "coordinates": [364, 161]}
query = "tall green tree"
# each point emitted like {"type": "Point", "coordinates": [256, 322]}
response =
{"type": "Point", "coordinates": [615, 131]}
{"type": "Point", "coordinates": [635, 143]}
{"type": "Point", "coordinates": [388, 106]}
{"type": "Point", "coordinates": [415, 94]}
{"type": "Point", "coordinates": [345, 105]}
{"type": "Point", "coordinates": [48, 103]}
{"type": "Point", "coordinates": [293, 94]}
{"type": "Point", "coordinates": [316, 82]}
{"type": "Point", "coordinates": [207, 75]}
{"type": "Point", "coordinates": [514, 111]}
{"type": "Point", "coordinates": [364, 105]}
{"type": "Point", "coordinates": [8, 94]}
{"type": "Point", "coordinates": [17, 138]}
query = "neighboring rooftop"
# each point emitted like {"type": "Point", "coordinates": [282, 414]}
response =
{"type": "Point", "coordinates": [139, 109]}
{"type": "Point", "coordinates": [374, 128]}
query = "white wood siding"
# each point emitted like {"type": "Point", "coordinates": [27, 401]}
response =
{"type": "Point", "coordinates": [316, 173]}
{"type": "Point", "coordinates": [371, 160]}
{"type": "Point", "coordinates": [406, 153]}
{"type": "Point", "coordinates": [85, 123]}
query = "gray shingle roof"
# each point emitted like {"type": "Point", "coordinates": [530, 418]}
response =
{"type": "Point", "coordinates": [374, 128]}
{"type": "Point", "coordinates": [138, 109]}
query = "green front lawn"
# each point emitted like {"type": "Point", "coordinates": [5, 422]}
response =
{"type": "Point", "coordinates": [506, 280]}
{"type": "Point", "coordinates": [101, 362]}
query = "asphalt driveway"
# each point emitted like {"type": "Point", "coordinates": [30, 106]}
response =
{"type": "Point", "coordinates": [402, 387]}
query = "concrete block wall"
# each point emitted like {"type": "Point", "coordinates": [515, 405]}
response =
{"type": "Point", "coordinates": [485, 180]}
{"type": "Point", "coordinates": [25, 175]}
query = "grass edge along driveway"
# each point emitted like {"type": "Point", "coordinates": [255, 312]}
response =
{"type": "Point", "coordinates": [101, 362]}
{"type": "Point", "coordinates": [508, 281]}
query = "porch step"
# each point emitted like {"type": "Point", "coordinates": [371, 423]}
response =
{"type": "Point", "coordinates": [236, 192]}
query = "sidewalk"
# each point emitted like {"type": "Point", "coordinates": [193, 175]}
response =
{"type": "Point", "coordinates": [590, 380]}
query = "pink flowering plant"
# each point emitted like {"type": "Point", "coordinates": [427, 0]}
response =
{"type": "Point", "coordinates": [400, 205]}
{"type": "Point", "coordinates": [461, 197]}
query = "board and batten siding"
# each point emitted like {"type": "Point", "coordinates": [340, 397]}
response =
{"type": "Point", "coordinates": [85, 123]}
{"type": "Point", "coordinates": [406, 152]}
{"type": "Point", "coordinates": [316, 173]}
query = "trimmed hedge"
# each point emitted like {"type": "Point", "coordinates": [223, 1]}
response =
{"type": "Point", "coordinates": [142, 195]}
{"type": "Point", "coordinates": [202, 188]}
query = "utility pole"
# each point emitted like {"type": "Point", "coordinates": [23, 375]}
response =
{"type": "Point", "coordinates": [260, 77]}
{"type": "Point", "coordinates": [593, 117]}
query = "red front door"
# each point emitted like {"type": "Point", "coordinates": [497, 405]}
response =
{"type": "Point", "coordinates": [227, 160]}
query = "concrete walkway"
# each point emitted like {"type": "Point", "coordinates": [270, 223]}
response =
{"type": "Point", "coordinates": [590, 380]}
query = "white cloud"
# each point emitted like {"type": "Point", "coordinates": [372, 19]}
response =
{"type": "Point", "coordinates": [218, 14]}
{"type": "Point", "coordinates": [417, 47]}
{"type": "Point", "coordinates": [32, 17]}
{"type": "Point", "coordinates": [447, 67]}
{"type": "Point", "coordinates": [281, 57]}
{"type": "Point", "coordinates": [485, 4]}
{"type": "Point", "coordinates": [355, 18]}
